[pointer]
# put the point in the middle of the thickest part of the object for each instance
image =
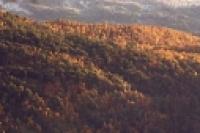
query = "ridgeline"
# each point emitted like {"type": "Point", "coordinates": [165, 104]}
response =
{"type": "Point", "coordinates": [67, 77]}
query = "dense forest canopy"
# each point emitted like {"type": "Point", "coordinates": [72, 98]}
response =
{"type": "Point", "coordinates": [58, 77]}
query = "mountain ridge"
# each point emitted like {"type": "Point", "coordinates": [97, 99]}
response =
{"type": "Point", "coordinates": [125, 12]}
{"type": "Point", "coordinates": [55, 82]}
{"type": "Point", "coordinates": [125, 34]}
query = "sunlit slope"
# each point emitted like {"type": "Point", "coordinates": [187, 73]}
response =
{"type": "Point", "coordinates": [126, 34]}
{"type": "Point", "coordinates": [55, 82]}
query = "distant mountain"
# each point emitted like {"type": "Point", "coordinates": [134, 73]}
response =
{"type": "Point", "coordinates": [180, 14]}
{"type": "Point", "coordinates": [74, 77]}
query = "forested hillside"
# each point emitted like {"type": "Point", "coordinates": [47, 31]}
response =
{"type": "Point", "coordinates": [125, 34]}
{"type": "Point", "coordinates": [57, 80]}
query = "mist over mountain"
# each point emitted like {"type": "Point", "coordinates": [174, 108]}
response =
{"type": "Point", "coordinates": [180, 14]}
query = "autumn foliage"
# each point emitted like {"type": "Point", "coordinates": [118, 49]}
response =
{"type": "Point", "coordinates": [125, 34]}
{"type": "Point", "coordinates": [58, 77]}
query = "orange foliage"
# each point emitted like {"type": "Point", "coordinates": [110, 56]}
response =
{"type": "Point", "coordinates": [125, 34]}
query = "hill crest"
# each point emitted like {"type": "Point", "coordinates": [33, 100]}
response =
{"type": "Point", "coordinates": [52, 81]}
{"type": "Point", "coordinates": [126, 34]}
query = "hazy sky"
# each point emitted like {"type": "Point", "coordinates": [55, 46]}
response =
{"type": "Point", "coordinates": [59, 2]}
{"type": "Point", "coordinates": [180, 2]}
